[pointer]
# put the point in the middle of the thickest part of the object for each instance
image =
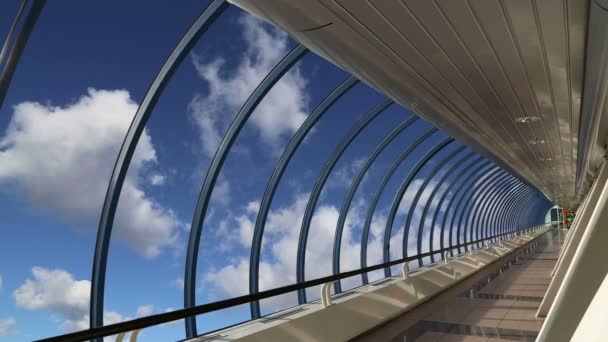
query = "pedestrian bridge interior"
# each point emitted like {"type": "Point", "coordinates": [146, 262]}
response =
{"type": "Point", "coordinates": [507, 133]}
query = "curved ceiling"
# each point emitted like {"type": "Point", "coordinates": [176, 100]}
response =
{"type": "Point", "coordinates": [504, 77]}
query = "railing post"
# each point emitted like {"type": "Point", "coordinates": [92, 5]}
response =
{"type": "Point", "coordinates": [405, 270]}
{"type": "Point", "coordinates": [326, 294]}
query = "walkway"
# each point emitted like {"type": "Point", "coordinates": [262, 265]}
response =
{"type": "Point", "coordinates": [498, 304]}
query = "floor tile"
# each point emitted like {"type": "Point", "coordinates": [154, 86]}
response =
{"type": "Point", "coordinates": [462, 338]}
{"type": "Point", "coordinates": [520, 314]}
{"type": "Point", "coordinates": [489, 306]}
{"type": "Point", "coordinates": [428, 337]}
{"type": "Point", "coordinates": [520, 325]}
{"type": "Point", "coordinates": [488, 313]}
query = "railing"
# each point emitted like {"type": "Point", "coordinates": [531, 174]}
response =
{"type": "Point", "coordinates": [144, 322]}
{"type": "Point", "coordinates": [19, 42]}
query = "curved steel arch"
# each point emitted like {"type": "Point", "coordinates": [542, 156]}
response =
{"type": "Point", "coordinates": [11, 31]}
{"type": "Point", "coordinates": [442, 199]}
{"type": "Point", "coordinates": [414, 203]}
{"type": "Point", "coordinates": [478, 209]}
{"type": "Point", "coordinates": [477, 222]}
{"type": "Point", "coordinates": [531, 214]}
{"type": "Point", "coordinates": [376, 197]}
{"type": "Point", "coordinates": [545, 203]}
{"type": "Point", "coordinates": [498, 215]}
{"type": "Point", "coordinates": [399, 197]}
{"type": "Point", "coordinates": [503, 222]}
{"type": "Point", "coordinates": [19, 44]}
{"type": "Point", "coordinates": [215, 167]}
{"type": "Point", "coordinates": [492, 219]}
{"type": "Point", "coordinates": [438, 186]}
{"type": "Point", "coordinates": [350, 194]}
{"type": "Point", "coordinates": [529, 219]}
{"type": "Point", "coordinates": [517, 209]}
{"type": "Point", "coordinates": [526, 217]}
{"type": "Point", "coordinates": [473, 177]}
{"type": "Point", "coordinates": [322, 178]}
{"type": "Point", "coordinates": [475, 190]}
{"type": "Point", "coordinates": [527, 208]}
{"type": "Point", "coordinates": [542, 210]}
{"type": "Point", "coordinates": [489, 173]}
{"type": "Point", "coordinates": [123, 160]}
{"type": "Point", "coordinates": [524, 209]}
{"type": "Point", "coordinates": [481, 208]}
{"type": "Point", "coordinates": [477, 197]}
{"type": "Point", "coordinates": [480, 166]}
{"type": "Point", "coordinates": [474, 203]}
{"type": "Point", "coordinates": [504, 206]}
{"type": "Point", "coordinates": [477, 206]}
{"type": "Point", "coordinates": [507, 216]}
{"type": "Point", "coordinates": [277, 175]}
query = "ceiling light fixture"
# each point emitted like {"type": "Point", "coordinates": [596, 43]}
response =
{"type": "Point", "coordinates": [535, 142]}
{"type": "Point", "coordinates": [526, 119]}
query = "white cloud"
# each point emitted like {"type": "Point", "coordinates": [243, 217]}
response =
{"type": "Point", "coordinates": [253, 207]}
{"type": "Point", "coordinates": [283, 109]}
{"type": "Point", "coordinates": [278, 266]}
{"type": "Point", "coordinates": [157, 179]}
{"type": "Point", "coordinates": [343, 176]}
{"type": "Point", "coordinates": [54, 289]}
{"type": "Point", "coordinates": [246, 226]}
{"type": "Point", "coordinates": [221, 192]}
{"type": "Point", "coordinates": [178, 283]}
{"type": "Point", "coordinates": [57, 291]}
{"type": "Point", "coordinates": [145, 310]}
{"type": "Point", "coordinates": [67, 299]}
{"type": "Point", "coordinates": [61, 158]}
{"type": "Point", "coordinates": [6, 326]}
{"type": "Point", "coordinates": [281, 237]}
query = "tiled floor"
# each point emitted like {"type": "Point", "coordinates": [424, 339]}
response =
{"type": "Point", "coordinates": [497, 304]}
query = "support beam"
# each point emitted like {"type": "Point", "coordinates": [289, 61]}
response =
{"type": "Point", "coordinates": [585, 273]}
{"type": "Point", "coordinates": [566, 256]}
{"type": "Point", "coordinates": [592, 327]}
{"type": "Point", "coordinates": [574, 227]}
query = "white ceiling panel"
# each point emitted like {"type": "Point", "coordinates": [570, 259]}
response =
{"type": "Point", "coordinates": [474, 68]}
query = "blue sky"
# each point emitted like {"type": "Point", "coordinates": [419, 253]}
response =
{"type": "Point", "coordinates": [76, 88]}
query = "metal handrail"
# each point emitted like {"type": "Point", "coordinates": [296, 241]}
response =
{"type": "Point", "coordinates": [166, 317]}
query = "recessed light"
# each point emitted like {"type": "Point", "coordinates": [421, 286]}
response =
{"type": "Point", "coordinates": [526, 119]}
{"type": "Point", "coordinates": [534, 142]}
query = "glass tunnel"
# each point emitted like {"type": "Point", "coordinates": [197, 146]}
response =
{"type": "Point", "coordinates": [341, 186]}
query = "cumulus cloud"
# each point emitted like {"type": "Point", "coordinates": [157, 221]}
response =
{"type": "Point", "coordinates": [343, 176]}
{"type": "Point", "coordinates": [61, 159]}
{"type": "Point", "coordinates": [221, 192]}
{"type": "Point", "coordinates": [6, 326]}
{"type": "Point", "coordinates": [66, 298]}
{"type": "Point", "coordinates": [57, 291]}
{"type": "Point", "coordinates": [144, 310]}
{"type": "Point", "coordinates": [177, 283]}
{"type": "Point", "coordinates": [278, 267]}
{"type": "Point", "coordinates": [283, 109]}
{"type": "Point", "coordinates": [157, 179]}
